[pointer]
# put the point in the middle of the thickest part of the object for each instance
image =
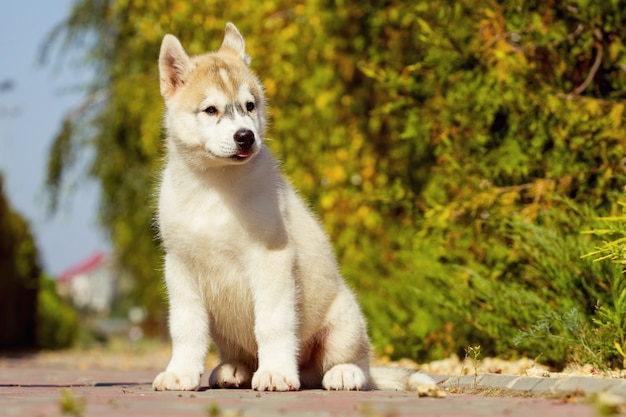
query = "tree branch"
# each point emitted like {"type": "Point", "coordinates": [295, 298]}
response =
{"type": "Point", "coordinates": [592, 72]}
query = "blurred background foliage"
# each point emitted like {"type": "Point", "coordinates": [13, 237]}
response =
{"type": "Point", "coordinates": [20, 272]}
{"type": "Point", "coordinates": [34, 316]}
{"type": "Point", "coordinates": [455, 151]}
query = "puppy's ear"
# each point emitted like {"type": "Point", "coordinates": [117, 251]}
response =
{"type": "Point", "coordinates": [234, 42]}
{"type": "Point", "coordinates": [174, 65]}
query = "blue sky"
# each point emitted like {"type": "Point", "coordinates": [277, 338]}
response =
{"type": "Point", "coordinates": [30, 115]}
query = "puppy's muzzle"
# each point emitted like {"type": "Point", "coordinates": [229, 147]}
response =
{"type": "Point", "coordinates": [244, 139]}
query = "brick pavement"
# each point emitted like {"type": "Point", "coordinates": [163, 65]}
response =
{"type": "Point", "coordinates": [31, 389]}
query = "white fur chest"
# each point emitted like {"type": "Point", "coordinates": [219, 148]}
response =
{"type": "Point", "coordinates": [224, 216]}
{"type": "Point", "coordinates": [221, 224]}
{"type": "Point", "coordinates": [194, 220]}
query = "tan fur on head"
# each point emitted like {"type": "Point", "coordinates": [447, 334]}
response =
{"type": "Point", "coordinates": [175, 65]}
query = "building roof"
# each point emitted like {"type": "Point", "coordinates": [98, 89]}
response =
{"type": "Point", "coordinates": [86, 266]}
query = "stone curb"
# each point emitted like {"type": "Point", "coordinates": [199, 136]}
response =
{"type": "Point", "coordinates": [537, 386]}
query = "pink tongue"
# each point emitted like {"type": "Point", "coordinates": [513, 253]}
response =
{"type": "Point", "coordinates": [243, 154]}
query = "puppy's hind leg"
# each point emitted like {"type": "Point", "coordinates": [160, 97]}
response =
{"type": "Point", "coordinates": [231, 375]}
{"type": "Point", "coordinates": [235, 368]}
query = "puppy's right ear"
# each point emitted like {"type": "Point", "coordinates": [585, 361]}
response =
{"type": "Point", "coordinates": [174, 65]}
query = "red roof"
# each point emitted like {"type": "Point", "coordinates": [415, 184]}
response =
{"type": "Point", "coordinates": [85, 266]}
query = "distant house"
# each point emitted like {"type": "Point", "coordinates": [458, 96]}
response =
{"type": "Point", "coordinates": [90, 285]}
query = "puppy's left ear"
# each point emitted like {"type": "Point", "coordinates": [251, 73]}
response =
{"type": "Point", "coordinates": [234, 42]}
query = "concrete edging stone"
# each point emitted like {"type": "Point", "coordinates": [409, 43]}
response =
{"type": "Point", "coordinates": [532, 385]}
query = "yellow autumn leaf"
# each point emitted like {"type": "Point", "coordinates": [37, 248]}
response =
{"type": "Point", "coordinates": [616, 114]}
{"type": "Point", "coordinates": [327, 201]}
{"type": "Point", "coordinates": [322, 99]}
{"type": "Point", "coordinates": [180, 7]}
{"type": "Point", "coordinates": [593, 106]}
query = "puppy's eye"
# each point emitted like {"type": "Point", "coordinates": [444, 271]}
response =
{"type": "Point", "coordinates": [249, 106]}
{"type": "Point", "coordinates": [211, 110]}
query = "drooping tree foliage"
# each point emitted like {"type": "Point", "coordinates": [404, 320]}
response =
{"type": "Point", "coordinates": [454, 150]}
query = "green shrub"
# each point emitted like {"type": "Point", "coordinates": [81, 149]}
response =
{"type": "Point", "coordinates": [543, 303]}
{"type": "Point", "coordinates": [57, 321]}
{"type": "Point", "coordinates": [19, 279]}
{"type": "Point", "coordinates": [454, 150]}
{"type": "Point", "coordinates": [610, 319]}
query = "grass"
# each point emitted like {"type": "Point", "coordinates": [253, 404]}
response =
{"type": "Point", "coordinates": [473, 353]}
{"type": "Point", "coordinates": [72, 406]}
{"type": "Point", "coordinates": [214, 410]}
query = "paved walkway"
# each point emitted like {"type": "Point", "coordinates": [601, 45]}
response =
{"type": "Point", "coordinates": [31, 389]}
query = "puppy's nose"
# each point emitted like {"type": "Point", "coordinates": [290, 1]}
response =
{"type": "Point", "coordinates": [244, 138]}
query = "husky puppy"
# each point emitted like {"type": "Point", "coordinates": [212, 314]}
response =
{"type": "Point", "coordinates": [247, 265]}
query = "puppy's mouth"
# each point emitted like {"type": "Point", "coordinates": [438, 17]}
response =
{"type": "Point", "coordinates": [242, 156]}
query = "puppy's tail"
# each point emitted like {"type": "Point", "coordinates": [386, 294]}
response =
{"type": "Point", "coordinates": [398, 379]}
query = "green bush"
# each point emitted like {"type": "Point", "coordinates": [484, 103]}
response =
{"type": "Point", "coordinates": [454, 150]}
{"type": "Point", "coordinates": [37, 317]}
{"type": "Point", "coordinates": [565, 320]}
{"type": "Point", "coordinates": [537, 298]}
{"type": "Point", "coordinates": [610, 319]}
{"type": "Point", "coordinates": [495, 146]}
{"type": "Point", "coordinates": [19, 279]}
{"type": "Point", "coordinates": [57, 321]}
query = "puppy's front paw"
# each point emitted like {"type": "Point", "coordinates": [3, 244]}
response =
{"type": "Point", "coordinates": [345, 376]}
{"type": "Point", "coordinates": [266, 380]}
{"type": "Point", "coordinates": [170, 381]}
{"type": "Point", "coordinates": [230, 375]}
